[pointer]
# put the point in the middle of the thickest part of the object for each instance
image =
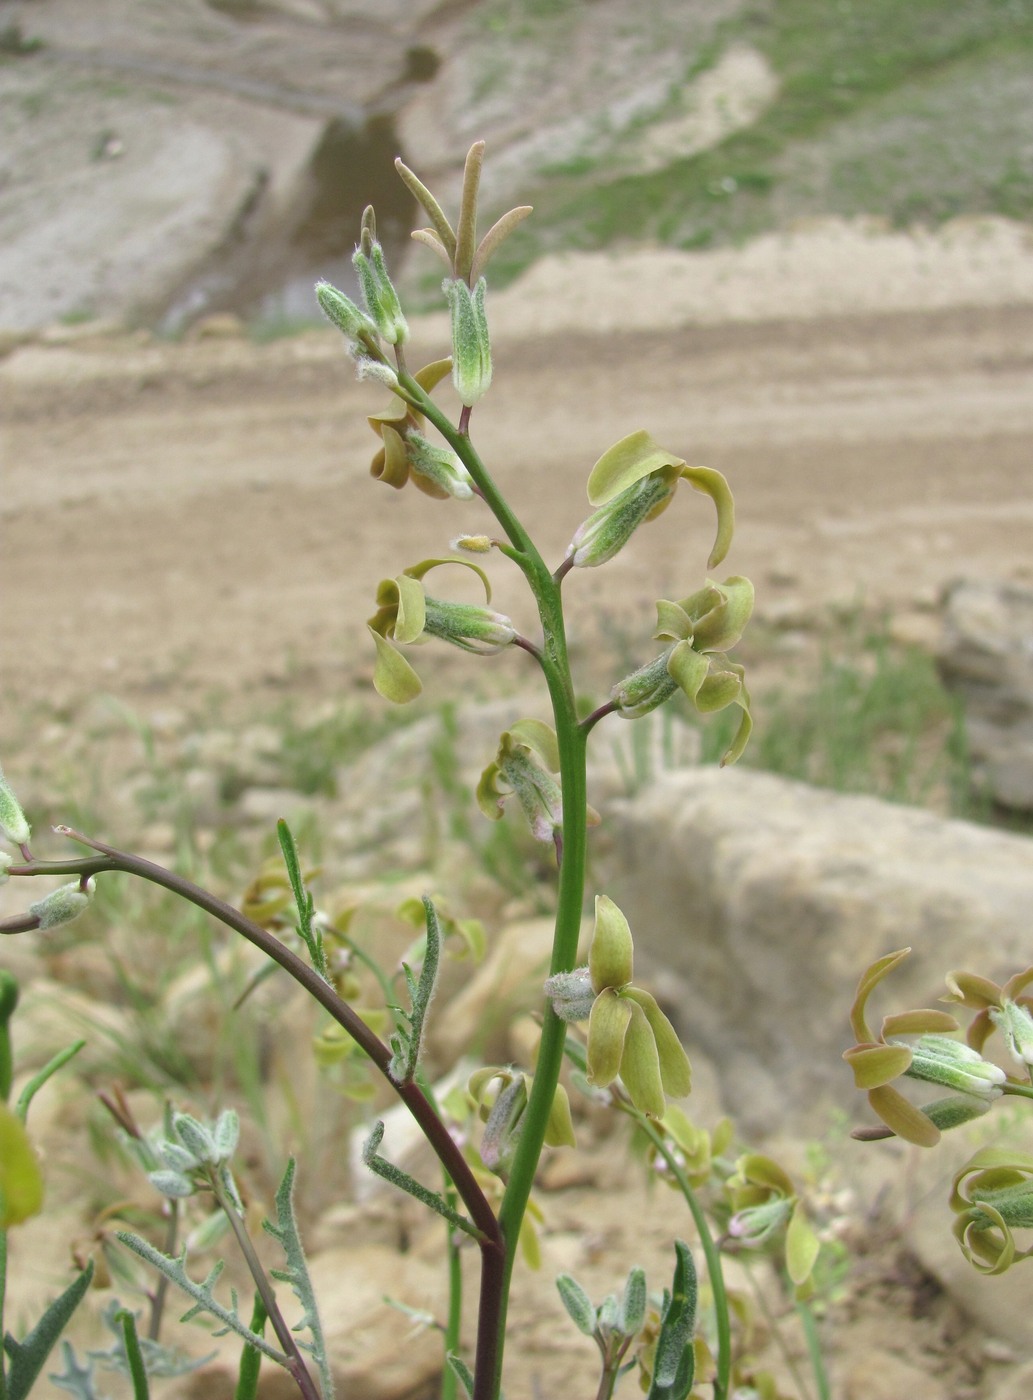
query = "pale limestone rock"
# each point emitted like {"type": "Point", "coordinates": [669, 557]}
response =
{"type": "Point", "coordinates": [756, 903]}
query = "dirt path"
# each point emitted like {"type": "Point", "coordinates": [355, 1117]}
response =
{"type": "Point", "coordinates": [178, 518]}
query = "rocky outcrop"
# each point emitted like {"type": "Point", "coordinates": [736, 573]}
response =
{"type": "Point", "coordinates": [756, 904]}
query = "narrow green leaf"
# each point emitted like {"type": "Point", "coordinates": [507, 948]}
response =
{"type": "Point", "coordinates": [29, 1356]}
{"type": "Point", "coordinates": [37, 1081]}
{"type": "Point", "coordinates": [134, 1356]}
{"type": "Point", "coordinates": [674, 1365]}
{"type": "Point", "coordinates": [302, 899]}
{"type": "Point", "coordinates": [251, 1357]}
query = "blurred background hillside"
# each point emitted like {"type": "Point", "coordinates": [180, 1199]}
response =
{"type": "Point", "coordinates": [165, 159]}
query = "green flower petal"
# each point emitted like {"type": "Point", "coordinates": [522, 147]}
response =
{"type": "Point", "coordinates": [802, 1246]}
{"type": "Point", "coordinates": [626, 462]}
{"type": "Point", "coordinates": [611, 954]}
{"type": "Point", "coordinates": [714, 485]}
{"type": "Point", "coordinates": [412, 609]}
{"type": "Point", "coordinates": [640, 1065]}
{"type": "Point", "coordinates": [687, 668]}
{"type": "Point", "coordinates": [874, 1065]}
{"type": "Point", "coordinates": [393, 677]}
{"type": "Point", "coordinates": [675, 1070]}
{"type": "Point", "coordinates": [904, 1118]}
{"type": "Point", "coordinates": [607, 1028]}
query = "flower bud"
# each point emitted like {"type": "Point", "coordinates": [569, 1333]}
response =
{"type": "Point", "coordinates": [471, 346]}
{"type": "Point", "coordinates": [504, 1126]}
{"type": "Point", "coordinates": [953, 1112]}
{"type": "Point", "coordinates": [345, 315]}
{"type": "Point", "coordinates": [440, 465]}
{"type": "Point", "coordinates": [645, 689]}
{"type": "Point", "coordinates": [13, 825]}
{"type": "Point", "coordinates": [62, 905]}
{"type": "Point", "coordinates": [938, 1059]}
{"type": "Point", "coordinates": [756, 1224]}
{"type": "Point", "coordinates": [537, 791]}
{"type": "Point", "coordinates": [378, 292]}
{"type": "Point", "coordinates": [1016, 1025]}
{"type": "Point", "coordinates": [468, 626]}
{"type": "Point", "coordinates": [607, 530]}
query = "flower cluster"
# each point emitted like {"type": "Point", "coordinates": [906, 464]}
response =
{"type": "Point", "coordinates": [628, 1034]}
{"type": "Point", "coordinates": [929, 1053]}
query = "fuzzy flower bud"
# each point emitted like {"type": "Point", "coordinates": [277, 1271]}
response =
{"type": "Point", "coordinates": [955, 1111]}
{"type": "Point", "coordinates": [471, 346]}
{"type": "Point", "coordinates": [62, 905]}
{"type": "Point", "coordinates": [440, 465]}
{"type": "Point", "coordinates": [377, 289]}
{"type": "Point", "coordinates": [504, 1126]}
{"type": "Point", "coordinates": [468, 626]}
{"type": "Point", "coordinates": [645, 689]}
{"type": "Point", "coordinates": [13, 826]}
{"type": "Point", "coordinates": [344, 314]}
{"type": "Point", "coordinates": [938, 1059]}
{"type": "Point", "coordinates": [607, 530]}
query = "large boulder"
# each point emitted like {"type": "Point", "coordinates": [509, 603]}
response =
{"type": "Point", "coordinates": [756, 904]}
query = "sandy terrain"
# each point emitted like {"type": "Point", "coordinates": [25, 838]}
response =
{"type": "Point", "coordinates": [183, 518]}
{"type": "Point", "coordinates": [178, 517]}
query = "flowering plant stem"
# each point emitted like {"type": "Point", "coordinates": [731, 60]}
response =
{"type": "Point", "coordinates": [710, 1251]}
{"type": "Point", "coordinates": [571, 847]}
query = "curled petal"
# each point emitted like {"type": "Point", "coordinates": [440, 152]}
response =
{"type": "Point", "coordinates": [721, 687]}
{"type": "Point", "coordinates": [541, 739]}
{"type": "Point", "coordinates": [722, 627]}
{"type": "Point", "coordinates": [393, 677]}
{"type": "Point", "coordinates": [903, 1117]}
{"type": "Point", "coordinates": [972, 990]}
{"type": "Point", "coordinates": [490, 797]}
{"type": "Point", "coordinates": [870, 979]}
{"type": "Point", "coordinates": [877, 1064]}
{"type": "Point", "coordinates": [391, 464]}
{"type": "Point", "coordinates": [919, 1023]}
{"type": "Point", "coordinates": [991, 1249]}
{"type": "Point", "coordinates": [714, 485]}
{"type": "Point", "coordinates": [626, 462]}
{"type": "Point", "coordinates": [741, 738]}
{"type": "Point", "coordinates": [688, 668]}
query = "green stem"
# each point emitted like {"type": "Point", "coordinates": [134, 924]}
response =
{"type": "Point", "coordinates": [284, 1335]}
{"type": "Point", "coordinates": [710, 1252]}
{"type": "Point", "coordinates": [572, 741]}
{"type": "Point", "coordinates": [810, 1332]}
{"type": "Point", "coordinates": [251, 1357]}
{"type": "Point", "coordinates": [134, 1356]}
